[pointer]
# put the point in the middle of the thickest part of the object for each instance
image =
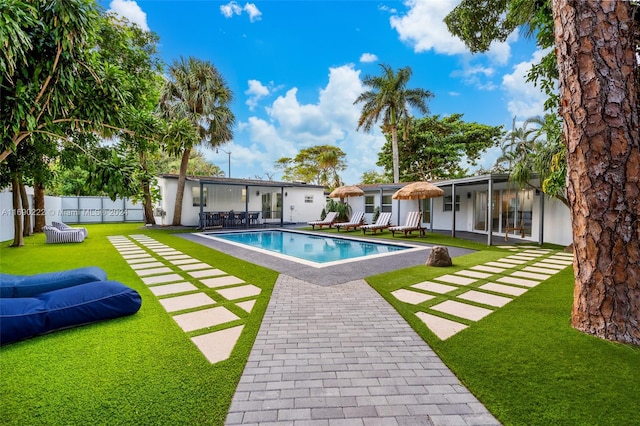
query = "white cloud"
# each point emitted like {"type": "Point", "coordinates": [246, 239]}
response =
{"type": "Point", "coordinates": [423, 27]}
{"type": "Point", "coordinates": [253, 12]}
{"type": "Point", "coordinates": [256, 91]}
{"type": "Point", "coordinates": [368, 57]}
{"type": "Point", "coordinates": [332, 120]}
{"type": "Point", "coordinates": [233, 8]}
{"type": "Point", "coordinates": [525, 99]}
{"type": "Point", "coordinates": [130, 10]}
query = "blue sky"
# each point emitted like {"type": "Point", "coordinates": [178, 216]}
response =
{"type": "Point", "coordinates": [295, 67]}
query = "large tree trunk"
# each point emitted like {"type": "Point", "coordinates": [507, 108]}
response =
{"type": "Point", "coordinates": [26, 218]}
{"type": "Point", "coordinates": [38, 204]}
{"type": "Point", "coordinates": [149, 219]}
{"type": "Point", "coordinates": [595, 47]}
{"type": "Point", "coordinates": [177, 210]}
{"type": "Point", "coordinates": [18, 240]}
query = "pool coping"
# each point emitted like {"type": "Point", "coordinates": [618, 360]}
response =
{"type": "Point", "coordinates": [338, 274]}
{"type": "Point", "coordinates": [409, 247]}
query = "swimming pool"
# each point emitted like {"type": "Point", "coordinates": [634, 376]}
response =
{"type": "Point", "coordinates": [310, 249]}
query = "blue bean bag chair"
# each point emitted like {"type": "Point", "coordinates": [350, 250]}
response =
{"type": "Point", "coordinates": [24, 317]}
{"type": "Point", "coordinates": [30, 285]}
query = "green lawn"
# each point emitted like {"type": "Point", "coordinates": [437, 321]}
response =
{"type": "Point", "coordinates": [141, 369]}
{"type": "Point", "coordinates": [524, 361]}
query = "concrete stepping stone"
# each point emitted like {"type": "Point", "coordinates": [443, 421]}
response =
{"type": "Point", "coordinates": [217, 346]}
{"type": "Point", "coordinates": [125, 246]}
{"type": "Point", "coordinates": [485, 298]}
{"type": "Point", "coordinates": [453, 279]}
{"type": "Point", "coordinates": [125, 253]}
{"type": "Point", "coordinates": [241, 292]}
{"type": "Point", "coordinates": [522, 259]}
{"type": "Point", "coordinates": [507, 247]}
{"type": "Point", "coordinates": [555, 266]}
{"type": "Point", "coordinates": [164, 290]}
{"type": "Point", "coordinates": [188, 301]}
{"type": "Point", "coordinates": [192, 266]}
{"type": "Point", "coordinates": [500, 265]}
{"type": "Point", "coordinates": [178, 256]}
{"type": "Point", "coordinates": [169, 253]}
{"type": "Point", "coordinates": [518, 281]}
{"type": "Point", "coordinates": [563, 254]}
{"type": "Point", "coordinates": [247, 305]}
{"type": "Point", "coordinates": [206, 273]}
{"type": "Point", "coordinates": [531, 275]}
{"type": "Point", "coordinates": [161, 279]}
{"type": "Point", "coordinates": [434, 287]}
{"type": "Point", "coordinates": [411, 297]}
{"type": "Point", "coordinates": [135, 256]}
{"type": "Point", "coordinates": [558, 261]}
{"type": "Point", "coordinates": [183, 260]}
{"type": "Point", "coordinates": [441, 327]}
{"type": "Point", "coordinates": [540, 270]}
{"type": "Point", "coordinates": [484, 268]}
{"type": "Point", "coordinates": [153, 271]}
{"type": "Point", "coordinates": [505, 289]}
{"type": "Point", "coordinates": [512, 262]}
{"type": "Point", "coordinates": [221, 281]}
{"type": "Point", "coordinates": [146, 265]}
{"type": "Point", "coordinates": [462, 310]}
{"type": "Point", "coordinates": [473, 274]}
{"type": "Point", "coordinates": [144, 259]}
{"type": "Point", "coordinates": [204, 318]}
{"type": "Point", "coordinates": [538, 252]}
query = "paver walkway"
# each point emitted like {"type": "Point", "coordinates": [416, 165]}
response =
{"type": "Point", "coordinates": [341, 355]}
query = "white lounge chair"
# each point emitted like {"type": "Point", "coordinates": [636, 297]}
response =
{"type": "Point", "coordinates": [64, 227]}
{"type": "Point", "coordinates": [355, 222]}
{"type": "Point", "coordinates": [412, 224]}
{"type": "Point", "coordinates": [55, 236]}
{"type": "Point", "coordinates": [383, 222]}
{"type": "Point", "coordinates": [328, 220]}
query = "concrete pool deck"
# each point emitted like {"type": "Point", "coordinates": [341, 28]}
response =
{"type": "Point", "coordinates": [336, 274]}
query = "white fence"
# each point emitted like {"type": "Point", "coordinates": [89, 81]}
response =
{"type": "Point", "coordinates": [75, 210]}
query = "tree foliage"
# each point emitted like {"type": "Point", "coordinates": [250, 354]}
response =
{"type": "Point", "coordinates": [435, 147]}
{"type": "Point", "coordinates": [319, 164]}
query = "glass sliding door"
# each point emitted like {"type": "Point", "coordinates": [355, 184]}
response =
{"type": "Point", "coordinates": [480, 211]}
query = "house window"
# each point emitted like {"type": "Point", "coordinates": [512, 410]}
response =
{"type": "Point", "coordinates": [386, 203]}
{"type": "Point", "coordinates": [369, 203]}
{"type": "Point", "coordinates": [448, 205]}
{"type": "Point", "coordinates": [308, 198]}
{"type": "Point", "coordinates": [195, 192]}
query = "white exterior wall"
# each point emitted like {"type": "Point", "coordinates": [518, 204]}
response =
{"type": "Point", "coordinates": [557, 222]}
{"type": "Point", "coordinates": [222, 197]}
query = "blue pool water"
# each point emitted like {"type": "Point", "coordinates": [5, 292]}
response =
{"type": "Point", "coordinates": [309, 247]}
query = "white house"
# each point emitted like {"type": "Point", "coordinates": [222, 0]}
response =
{"type": "Point", "coordinates": [268, 202]}
{"type": "Point", "coordinates": [488, 205]}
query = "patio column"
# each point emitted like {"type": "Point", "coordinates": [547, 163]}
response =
{"type": "Point", "coordinates": [453, 209]}
{"type": "Point", "coordinates": [489, 218]}
{"type": "Point", "coordinates": [541, 220]}
{"type": "Point", "coordinates": [201, 215]}
{"type": "Point", "coordinates": [246, 206]}
{"type": "Point", "coordinates": [282, 206]}
{"type": "Point", "coordinates": [430, 214]}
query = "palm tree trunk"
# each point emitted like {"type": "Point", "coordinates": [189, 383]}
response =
{"type": "Point", "coordinates": [38, 204]}
{"type": "Point", "coordinates": [182, 177]}
{"type": "Point", "coordinates": [595, 46]}
{"type": "Point", "coordinates": [18, 240]}
{"type": "Point", "coordinates": [394, 152]}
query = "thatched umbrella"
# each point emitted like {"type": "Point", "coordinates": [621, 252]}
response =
{"type": "Point", "coordinates": [418, 191]}
{"type": "Point", "coordinates": [346, 191]}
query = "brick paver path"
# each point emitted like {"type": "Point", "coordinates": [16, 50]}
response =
{"type": "Point", "coordinates": [341, 355]}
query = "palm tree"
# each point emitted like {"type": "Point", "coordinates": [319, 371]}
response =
{"type": "Point", "coordinates": [389, 100]}
{"type": "Point", "coordinates": [196, 93]}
